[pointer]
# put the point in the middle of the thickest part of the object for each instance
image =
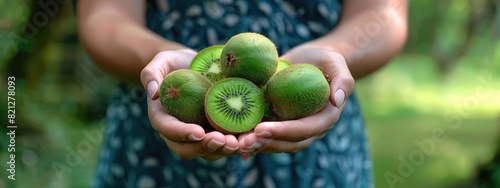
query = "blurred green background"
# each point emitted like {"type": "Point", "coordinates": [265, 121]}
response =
{"type": "Point", "coordinates": [446, 82]}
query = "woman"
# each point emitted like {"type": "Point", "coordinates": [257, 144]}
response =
{"type": "Point", "coordinates": [142, 41]}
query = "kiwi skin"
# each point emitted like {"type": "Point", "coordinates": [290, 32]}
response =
{"type": "Point", "coordinates": [233, 87]}
{"type": "Point", "coordinates": [251, 56]}
{"type": "Point", "coordinates": [268, 113]}
{"type": "Point", "coordinates": [182, 93]}
{"type": "Point", "coordinates": [207, 62]}
{"type": "Point", "coordinates": [298, 91]}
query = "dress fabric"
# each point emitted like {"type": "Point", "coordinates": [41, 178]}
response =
{"type": "Point", "coordinates": [133, 155]}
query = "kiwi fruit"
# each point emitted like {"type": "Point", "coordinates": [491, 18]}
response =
{"type": "Point", "coordinates": [234, 105]}
{"type": "Point", "coordinates": [182, 93]}
{"type": "Point", "coordinates": [268, 113]}
{"type": "Point", "coordinates": [250, 56]}
{"type": "Point", "coordinates": [207, 62]}
{"type": "Point", "coordinates": [297, 91]}
{"type": "Point", "coordinates": [282, 64]}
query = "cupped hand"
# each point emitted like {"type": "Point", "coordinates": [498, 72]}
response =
{"type": "Point", "coordinates": [294, 135]}
{"type": "Point", "coordinates": [185, 139]}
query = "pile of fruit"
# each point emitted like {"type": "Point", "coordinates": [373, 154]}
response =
{"type": "Point", "coordinates": [233, 87]}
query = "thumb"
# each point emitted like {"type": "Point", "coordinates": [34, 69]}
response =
{"type": "Point", "coordinates": [163, 63]}
{"type": "Point", "coordinates": [341, 81]}
{"type": "Point", "coordinates": [150, 81]}
{"type": "Point", "coordinates": [152, 75]}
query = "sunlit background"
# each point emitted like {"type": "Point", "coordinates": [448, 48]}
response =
{"type": "Point", "coordinates": [432, 114]}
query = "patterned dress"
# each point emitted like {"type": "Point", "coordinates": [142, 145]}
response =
{"type": "Point", "coordinates": [133, 155]}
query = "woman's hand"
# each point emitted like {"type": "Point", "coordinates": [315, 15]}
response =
{"type": "Point", "coordinates": [186, 140]}
{"type": "Point", "coordinates": [294, 135]}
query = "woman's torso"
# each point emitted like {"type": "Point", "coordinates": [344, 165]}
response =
{"type": "Point", "coordinates": [199, 24]}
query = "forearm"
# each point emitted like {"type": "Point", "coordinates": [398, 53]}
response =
{"type": "Point", "coordinates": [368, 35]}
{"type": "Point", "coordinates": [117, 40]}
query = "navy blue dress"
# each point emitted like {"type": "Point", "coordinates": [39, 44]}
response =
{"type": "Point", "coordinates": [133, 155]}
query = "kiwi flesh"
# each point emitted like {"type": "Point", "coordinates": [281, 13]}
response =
{"type": "Point", "coordinates": [207, 62]}
{"type": "Point", "coordinates": [182, 93]}
{"type": "Point", "coordinates": [297, 91]}
{"type": "Point", "coordinates": [282, 64]}
{"type": "Point", "coordinates": [234, 105]}
{"type": "Point", "coordinates": [250, 56]}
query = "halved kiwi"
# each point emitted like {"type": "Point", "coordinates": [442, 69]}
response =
{"type": "Point", "coordinates": [182, 93]}
{"type": "Point", "coordinates": [234, 105]}
{"type": "Point", "coordinates": [207, 62]}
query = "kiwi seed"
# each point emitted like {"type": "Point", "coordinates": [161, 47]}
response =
{"type": "Point", "coordinates": [207, 62]}
{"type": "Point", "coordinates": [234, 105]}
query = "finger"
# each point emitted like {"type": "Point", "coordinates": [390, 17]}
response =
{"type": "Point", "coordinates": [241, 142]}
{"type": "Point", "coordinates": [163, 63]}
{"type": "Point", "coordinates": [170, 127]}
{"type": "Point", "coordinates": [191, 150]}
{"type": "Point", "coordinates": [278, 146]}
{"type": "Point", "coordinates": [249, 143]}
{"type": "Point", "coordinates": [255, 144]}
{"type": "Point", "coordinates": [301, 129]}
{"type": "Point", "coordinates": [340, 78]}
{"type": "Point", "coordinates": [231, 146]}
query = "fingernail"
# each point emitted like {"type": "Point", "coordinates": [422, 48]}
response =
{"type": "Point", "coordinates": [227, 149]}
{"type": "Point", "coordinates": [256, 145]}
{"type": "Point", "coordinates": [339, 97]}
{"type": "Point", "coordinates": [265, 134]}
{"type": "Point", "coordinates": [151, 88]}
{"type": "Point", "coordinates": [248, 150]}
{"type": "Point", "coordinates": [265, 140]}
{"type": "Point", "coordinates": [213, 144]}
{"type": "Point", "coordinates": [192, 137]}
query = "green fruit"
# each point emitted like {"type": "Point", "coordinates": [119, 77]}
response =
{"type": "Point", "coordinates": [251, 56]}
{"type": "Point", "coordinates": [182, 94]}
{"type": "Point", "coordinates": [282, 64]}
{"type": "Point", "coordinates": [234, 105]}
{"type": "Point", "coordinates": [298, 91]}
{"type": "Point", "coordinates": [207, 62]}
{"type": "Point", "coordinates": [268, 113]}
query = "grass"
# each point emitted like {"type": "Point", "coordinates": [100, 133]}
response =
{"type": "Point", "coordinates": [406, 101]}
{"type": "Point", "coordinates": [451, 162]}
